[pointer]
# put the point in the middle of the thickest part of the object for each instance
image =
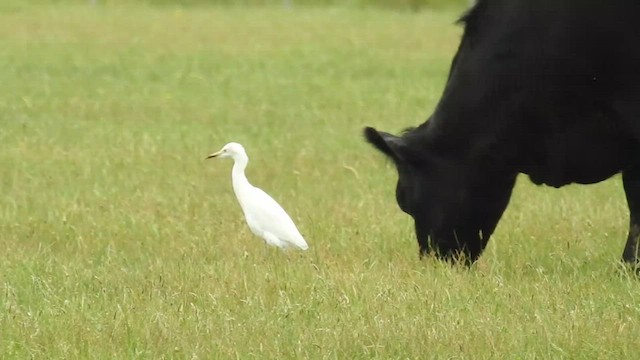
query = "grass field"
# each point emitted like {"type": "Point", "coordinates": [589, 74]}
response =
{"type": "Point", "coordinates": [120, 241]}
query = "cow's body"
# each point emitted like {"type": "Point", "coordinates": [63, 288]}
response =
{"type": "Point", "coordinates": [548, 88]}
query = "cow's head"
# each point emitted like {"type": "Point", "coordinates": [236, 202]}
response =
{"type": "Point", "coordinates": [454, 209]}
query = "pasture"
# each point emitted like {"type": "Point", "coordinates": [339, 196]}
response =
{"type": "Point", "coordinates": [120, 241]}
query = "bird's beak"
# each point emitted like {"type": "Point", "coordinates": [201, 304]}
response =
{"type": "Point", "coordinates": [215, 154]}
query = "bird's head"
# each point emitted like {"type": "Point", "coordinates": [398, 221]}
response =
{"type": "Point", "coordinates": [232, 150]}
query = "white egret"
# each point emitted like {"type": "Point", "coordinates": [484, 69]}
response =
{"type": "Point", "coordinates": [265, 217]}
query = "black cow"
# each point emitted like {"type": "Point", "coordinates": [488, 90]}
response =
{"type": "Point", "coordinates": [548, 88]}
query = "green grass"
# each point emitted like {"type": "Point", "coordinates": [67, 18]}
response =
{"type": "Point", "coordinates": [120, 241]}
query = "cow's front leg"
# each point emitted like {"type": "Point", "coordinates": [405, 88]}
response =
{"type": "Point", "coordinates": [631, 182]}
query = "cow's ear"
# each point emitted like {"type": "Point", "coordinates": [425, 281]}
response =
{"type": "Point", "coordinates": [393, 146]}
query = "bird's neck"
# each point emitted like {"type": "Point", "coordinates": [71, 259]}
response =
{"type": "Point", "coordinates": [239, 179]}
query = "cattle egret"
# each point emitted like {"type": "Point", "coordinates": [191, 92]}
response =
{"type": "Point", "coordinates": [265, 217]}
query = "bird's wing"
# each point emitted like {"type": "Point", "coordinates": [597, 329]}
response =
{"type": "Point", "coordinates": [272, 218]}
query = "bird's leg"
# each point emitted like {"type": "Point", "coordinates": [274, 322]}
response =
{"type": "Point", "coordinates": [265, 250]}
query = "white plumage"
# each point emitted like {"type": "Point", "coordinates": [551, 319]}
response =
{"type": "Point", "coordinates": [265, 217]}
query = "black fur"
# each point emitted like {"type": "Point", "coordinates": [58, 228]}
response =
{"type": "Point", "coordinates": [548, 88]}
